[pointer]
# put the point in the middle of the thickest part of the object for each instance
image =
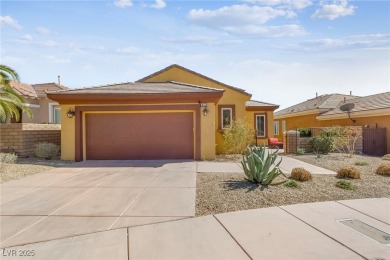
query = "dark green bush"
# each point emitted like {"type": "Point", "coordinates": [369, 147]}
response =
{"type": "Point", "coordinates": [345, 185]}
{"type": "Point", "coordinates": [304, 132]}
{"type": "Point", "coordinates": [321, 144]}
{"type": "Point", "coordinates": [291, 184]}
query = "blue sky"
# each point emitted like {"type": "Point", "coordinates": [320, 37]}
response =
{"type": "Point", "coordinates": [281, 51]}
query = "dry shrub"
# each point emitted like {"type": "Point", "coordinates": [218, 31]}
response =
{"type": "Point", "coordinates": [386, 157]}
{"type": "Point", "coordinates": [300, 174]}
{"type": "Point", "coordinates": [238, 137]}
{"type": "Point", "coordinates": [47, 150]}
{"type": "Point", "coordinates": [383, 169]}
{"type": "Point", "coordinates": [348, 172]}
{"type": "Point", "coordinates": [8, 158]}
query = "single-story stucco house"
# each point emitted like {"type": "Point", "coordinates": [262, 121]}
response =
{"type": "Point", "coordinates": [44, 110]}
{"type": "Point", "coordinates": [174, 113]}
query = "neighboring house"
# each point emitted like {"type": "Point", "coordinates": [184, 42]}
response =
{"type": "Point", "coordinates": [324, 111]}
{"type": "Point", "coordinates": [173, 113]}
{"type": "Point", "coordinates": [44, 110]}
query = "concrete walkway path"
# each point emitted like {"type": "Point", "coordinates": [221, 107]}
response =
{"type": "Point", "coordinates": [356, 229]}
{"type": "Point", "coordinates": [286, 166]}
{"type": "Point", "coordinates": [95, 196]}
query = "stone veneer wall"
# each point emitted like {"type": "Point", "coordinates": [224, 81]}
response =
{"type": "Point", "coordinates": [22, 138]}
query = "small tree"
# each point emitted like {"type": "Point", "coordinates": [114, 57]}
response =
{"type": "Point", "coordinates": [345, 139]}
{"type": "Point", "coordinates": [238, 137]}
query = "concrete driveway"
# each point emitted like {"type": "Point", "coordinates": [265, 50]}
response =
{"type": "Point", "coordinates": [94, 196]}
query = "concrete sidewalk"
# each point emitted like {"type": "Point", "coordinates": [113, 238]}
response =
{"type": "Point", "coordinates": [304, 231]}
{"type": "Point", "coordinates": [286, 166]}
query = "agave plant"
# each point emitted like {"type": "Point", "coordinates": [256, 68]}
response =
{"type": "Point", "coordinates": [260, 167]}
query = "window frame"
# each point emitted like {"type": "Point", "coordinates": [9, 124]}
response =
{"type": "Point", "coordinates": [222, 117]}
{"type": "Point", "coordinates": [54, 115]}
{"type": "Point", "coordinates": [283, 126]}
{"type": "Point", "coordinates": [232, 109]}
{"type": "Point", "coordinates": [264, 115]}
{"type": "Point", "coordinates": [276, 127]}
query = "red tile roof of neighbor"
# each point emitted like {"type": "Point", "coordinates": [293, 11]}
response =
{"type": "Point", "coordinates": [35, 90]}
{"type": "Point", "coordinates": [323, 102]}
{"type": "Point", "coordinates": [372, 102]}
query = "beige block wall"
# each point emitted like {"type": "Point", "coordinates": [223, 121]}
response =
{"type": "Point", "coordinates": [22, 138]}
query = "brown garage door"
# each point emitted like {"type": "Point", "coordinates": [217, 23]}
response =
{"type": "Point", "coordinates": [140, 136]}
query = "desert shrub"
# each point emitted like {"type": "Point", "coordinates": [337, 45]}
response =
{"type": "Point", "coordinates": [383, 169]}
{"type": "Point", "coordinates": [301, 151]}
{"type": "Point", "coordinates": [321, 144]}
{"type": "Point", "coordinates": [47, 150]}
{"type": "Point", "coordinates": [8, 158]}
{"type": "Point", "coordinates": [300, 174]}
{"type": "Point", "coordinates": [238, 137]}
{"type": "Point", "coordinates": [386, 157]}
{"type": "Point", "coordinates": [348, 172]}
{"type": "Point", "coordinates": [291, 184]}
{"type": "Point", "coordinates": [304, 132]}
{"type": "Point", "coordinates": [260, 167]}
{"type": "Point", "coordinates": [345, 185]}
{"type": "Point", "coordinates": [345, 139]}
{"type": "Point", "coordinates": [361, 163]}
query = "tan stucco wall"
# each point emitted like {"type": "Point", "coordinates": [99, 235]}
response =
{"type": "Point", "coordinates": [230, 97]}
{"type": "Point", "coordinates": [250, 119]}
{"type": "Point", "coordinates": [68, 144]}
{"type": "Point", "coordinates": [68, 132]}
{"type": "Point", "coordinates": [41, 114]}
{"type": "Point", "coordinates": [307, 121]}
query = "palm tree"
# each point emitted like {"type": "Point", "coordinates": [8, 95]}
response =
{"type": "Point", "coordinates": [10, 102]}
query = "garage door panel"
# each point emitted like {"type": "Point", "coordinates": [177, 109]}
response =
{"type": "Point", "coordinates": [140, 136]}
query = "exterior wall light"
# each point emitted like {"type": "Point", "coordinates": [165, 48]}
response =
{"type": "Point", "coordinates": [205, 111]}
{"type": "Point", "coordinates": [70, 113]}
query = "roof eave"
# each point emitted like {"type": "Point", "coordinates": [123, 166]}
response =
{"type": "Point", "coordinates": [70, 98]}
{"type": "Point", "coordinates": [263, 108]}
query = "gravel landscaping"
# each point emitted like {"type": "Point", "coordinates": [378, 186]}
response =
{"type": "Point", "coordinates": [28, 166]}
{"type": "Point", "coordinates": [224, 192]}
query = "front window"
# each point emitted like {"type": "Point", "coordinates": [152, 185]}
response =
{"type": "Point", "coordinates": [260, 125]}
{"type": "Point", "coordinates": [283, 126]}
{"type": "Point", "coordinates": [57, 116]}
{"type": "Point", "coordinates": [227, 118]}
{"type": "Point", "coordinates": [276, 128]}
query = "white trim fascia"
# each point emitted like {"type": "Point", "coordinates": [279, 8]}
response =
{"type": "Point", "coordinates": [51, 117]}
{"type": "Point", "coordinates": [32, 105]}
{"type": "Point", "coordinates": [367, 113]}
{"type": "Point", "coordinates": [303, 113]}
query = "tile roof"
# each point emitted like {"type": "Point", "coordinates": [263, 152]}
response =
{"type": "Point", "coordinates": [23, 89]}
{"type": "Point", "coordinates": [255, 103]}
{"type": "Point", "coordinates": [141, 88]}
{"type": "Point", "coordinates": [196, 73]}
{"type": "Point", "coordinates": [323, 102]}
{"type": "Point", "coordinates": [35, 90]}
{"type": "Point", "coordinates": [41, 89]}
{"type": "Point", "coordinates": [372, 102]}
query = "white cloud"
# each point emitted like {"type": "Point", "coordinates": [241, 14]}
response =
{"type": "Point", "coordinates": [9, 21]}
{"type": "Point", "coordinates": [351, 42]}
{"type": "Point", "coordinates": [209, 40]}
{"type": "Point", "coordinates": [334, 10]}
{"type": "Point", "coordinates": [56, 59]}
{"type": "Point", "coordinates": [42, 30]}
{"type": "Point", "coordinates": [129, 50]}
{"type": "Point", "coordinates": [27, 38]}
{"type": "Point", "coordinates": [159, 4]}
{"type": "Point", "coordinates": [236, 15]}
{"type": "Point", "coordinates": [261, 31]}
{"type": "Point", "coordinates": [123, 3]}
{"type": "Point", "coordinates": [297, 4]}
{"type": "Point", "coordinates": [49, 43]}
